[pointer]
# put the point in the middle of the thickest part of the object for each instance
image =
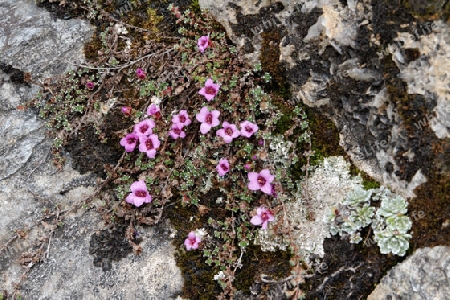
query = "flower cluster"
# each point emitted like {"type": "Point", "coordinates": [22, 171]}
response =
{"type": "Point", "coordinates": [90, 85]}
{"type": "Point", "coordinates": [192, 241]}
{"type": "Point", "coordinates": [261, 181]}
{"type": "Point", "coordinates": [210, 90]}
{"type": "Point", "coordinates": [139, 194]}
{"type": "Point", "coordinates": [208, 118]}
{"type": "Point", "coordinates": [228, 132]}
{"type": "Point", "coordinates": [262, 217]}
{"type": "Point", "coordinates": [140, 73]}
{"type": "Point", "coordinates": [143, 132]}
{"type": "Point", "coordinates": [223, 167]}
{"type": "Point", "coordinates": [179, 121]}
{"type": "Point", "coordinates": [153, 110]}
{"type": "Point", "coordinates": [203, 43]}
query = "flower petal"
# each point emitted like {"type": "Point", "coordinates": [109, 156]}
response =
{"type": "Point", "coordinates": [267, 188]}
{"type": "Point", "coordinates": [256, 220]}
{"type": "Point", "coordinates": [138, 186]}
{"type": "Point", "coordinates": [204, 128]}
{"type": "Point", "coordinates": [266, 174]}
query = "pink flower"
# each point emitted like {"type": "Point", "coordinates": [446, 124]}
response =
{"type": "Point", "coordinates": [126, 110]}
{"type": "Point", "coordinates": [139, 194]}
{"type": "Point", "coordinates": [192, 241]}
{"type": "Point", "coordinates": [209, 90]}
{"type": "Point", "coordinates": [153, 110]}
{"type": "Point", "coordinates": [182, 118]}
{"type": "Point", "coordinates": [129, 142]}
{"type": "Point", "coordinates": [140, 73]}
{"type": "Point", "coordinates": [208, 119]}
{"type": "Point", "coordinates": [248, 128]}
{"type": "Point", "coordinates": [149, 144]}
{"type": "Point", "coordinates": [144, 127]}
{"type": "Point", "coordinates": [223, 167]}
{"type": "Point", "coordinates": [247, 166]}
{"type": "Point", "coordinates": [262, 217]}
{"type": "Point", "coordinates": [177, 131]}
{"type": "Point", "coordinates": [228, 132]}
{"type": "Point", "coordinates": [90, 85]}
{"type": "Point", "coordinates": [203, 43]}
{"type": "Point", "coordinates": [261, 181]}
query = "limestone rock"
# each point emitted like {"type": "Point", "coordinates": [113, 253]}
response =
{"type": "Point", "coordinates": [424, 275]}
{"type": "Point", "coordinates": [30, 40]}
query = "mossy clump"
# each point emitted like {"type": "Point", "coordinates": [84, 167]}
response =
{"type": "Point", "coordinates": [430, 209]}
{"type": "Point", "coordinates": [257, 262]}
{"type": "Point", "coordinates": [270, 53]}
{"type": "Point", "coordinates": [428, 10]}
{"type": "Point", "coordinates": [198, 276]}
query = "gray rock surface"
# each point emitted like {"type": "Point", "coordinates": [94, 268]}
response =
{"type": "Point", "coordinates": [33, 41]}
{"type": "Point", "coordinates": [426, 272]}
{"type": "Point", "coordinates": [32, 189]}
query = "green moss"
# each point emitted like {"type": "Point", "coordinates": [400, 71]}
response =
{"type": "Point", "coordinates": [428, 10]}
{"type": "Point", "coordinates": [324, 137]}
{"type": "Point", "coordinates": [198, 276]}
{"type": "Point", "coordinates": [368, 182]}
{"type": "Point", "coordinates": [285, 122]}
{"type": "Point", "coordinates": [91, 48]}
{"type": "Point", "coordinates": [256, 262]}
{"type": "Point", "coordinates": [270, 53]}
{"type": "Point", "coordinates": [433, 201]}
{"type": "Point", "coordinates": [195, 6]}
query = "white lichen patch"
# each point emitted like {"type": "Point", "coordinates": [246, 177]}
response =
{"type": "Point", "coordinates": [327, 185]}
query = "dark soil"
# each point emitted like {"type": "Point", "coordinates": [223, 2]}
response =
{"type": "Point", "coordinates": [348, 271]}
{"type": "Point", "coordinates": [109, 245]}
{"type": "Point", "coordinates": [73, 9]}
{"type": "Point", "coordinates": [16, 75]}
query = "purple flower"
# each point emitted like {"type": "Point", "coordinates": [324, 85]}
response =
{"type": "Point", "coordinates": [209, 90]}
{"type": "Point", "coordinates": [139, 194]}
{"type": "Point", "coordinates": [262, 217]}
{"type": "Point", "coordinates": [261, 142]}
{"type": "Point", "coordinates": [247, 166]}
{"type": "Point", "coordinates": [129, 142]}
{"type": "Point", "coordinates": [203, 43]}
{"type": "Point", "coordinates": [261, 181]}
{"type": "Point", "coordinates": [177, 131]}
{"type": "Point", "coordinates": [126, 110]}
{"type": "Point", "coordinates": [149, 144]}
{"type": "Point", "coordinates": [228, 132]}
{"type": "Point", "coordinates": [192, 241]}
{"type": "Point", "coordinates": [144, 127]}
{"type": "Point", "coordinates": [140, 73]}
{"type": "Point", "coordinates": [223, 167]}
{"type": "Point", "coordinates": [248, 128]}
{"type": "Point", "coordinates": [153, 110]}
{"type": "Point", "coordinates": [90, 85]}
{"type": "Point", "coordinates": [208, 119]}
{"type": "Point", "coordinates": [182, 118]}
